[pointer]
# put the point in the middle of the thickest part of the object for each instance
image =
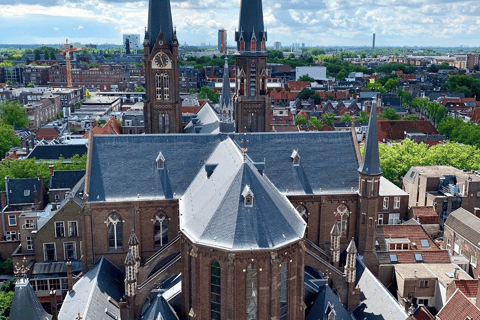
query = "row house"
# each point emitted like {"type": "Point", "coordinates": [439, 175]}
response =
{"type": "Point", "coordinates": [38, 75]}
{"type": "Point", "coordinates": [43, 111]}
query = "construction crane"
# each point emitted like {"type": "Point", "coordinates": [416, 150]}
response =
{"type": "Point", "coordinates": [67, 52]}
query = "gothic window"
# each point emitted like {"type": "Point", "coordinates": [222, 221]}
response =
{"type": "Point", "coordinates": [160, 230]}
{"type": "Point", "coordinates": [163, 123]}
{"type": "Point", "coordinates": [115, 231]}
{"type": "Point", "coordinates": [215, 298]}
{"type": "Point", "coordinates": [284, 291]}
{"type": "Point", "coordinates": [253, 45]}
{"type": "Point", "coordinates": [158, 86]}
{"type": "Point", "coordinates": [166, 87]}
{"type": "Point", "coordinates": [242, 45]}
{"type": "Point", "coordinates": [303, 212]}
{"type": "Point", "coordinates": [252, 292]}
{"type": "Point", "coordinates": [262, 46]}
{"type": "Point", "coordinates": [252, 122]}
{"type": "Point", "coordinates": [342, 213]}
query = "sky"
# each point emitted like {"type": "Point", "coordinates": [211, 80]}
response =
{"type": "Point", "coordinates": [313, 22]}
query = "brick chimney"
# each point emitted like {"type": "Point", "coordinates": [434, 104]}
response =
{"type": "Point", "coordinates": [52, 169]}
{"type": "Point", "coordinates": [53, 304]}
{"type": "Point", "coordinates": [69, 275]}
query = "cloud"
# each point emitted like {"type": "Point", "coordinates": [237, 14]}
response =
{"type": "Point", "coordinates": [81, 27]}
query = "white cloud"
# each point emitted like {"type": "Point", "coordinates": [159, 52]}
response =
{"type": "Point", "coordinates": [81, 27]}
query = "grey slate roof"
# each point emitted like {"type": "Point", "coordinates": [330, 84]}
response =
{"type": "Point", "coordinates": [25, 304]}
{"type": "Point", "coordinates": [65, 179]}
{"type": "Point", "coordinates": [55, 267]}
{"type": "Point", "coordinates": [159, 19]}
{"type": "Point", "coordinates": [16, 190]}
{"type": "Point", "coordinates": [159, 310]}
{"type": "Point", "coordinates": [326, 301]}
{"type": "Point", "coordinates": [466, 224]}
{"type": "Point", "coordinates": [207, 121]}
{"type": "Point", "coordinates": [89, 296]}
{"type": "Point", "coordinates": [370, 162]}
{"type": "Point", "coordinates": [376, 301]}
{"type": "Point", "coordinates": [54, 152]}
{"type": "Point", "coordinates": [123, 166]}
{"type": "Point", "coordinates": [214, 213]}
{"type": "Point", "coordinates": [250, 21]}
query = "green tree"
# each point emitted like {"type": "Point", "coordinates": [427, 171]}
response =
{"type": "Point", "coordinates": [13, 113]}
{"type": "Point", "coordinates": [363, 117]}
{"type": "Point", "coordinates": [301, 121]}
{"type": "Point", "coordinates": [315, 122]}
{"type": "Point", "coordinates": [8, 139]}
{"type": "Point", "coordinates": [376, 87]}
{"type": "Point", "coordinates": [5, 304]}
{"type": "Point", "coordinates": [328, 118]}
{"type": "Point", "coordinates": [307, 93]}
{"type": "Point", "coordinates": [346, 118]}
{"type": "Point", "coordinates": [389, 113]}
{"type": "Point", "coordinates": [420, 103]}
{"type": "Point", "coordinates": [208, 92]}
{"type": "Point", "coordinates": [461, 83]}
{"type": "Point", "coordinates": [437, 112]}
{"type": "Point", "coordinates": [88, 95]}
{"type": "Point", "coordinates": [410, 117]}
{"type": "Point", "coordinates": [139, 89]}
{"type": "Point", "coordinates": [9, 82]}
{"type": "Point", "coordinates": [31, 85]}
{"type": "Point", "coordinates": [391, 84]}
{"type": "Point", "coordinates": [462, 132]}
{"type": "Point", "coordinates": [306, 77]}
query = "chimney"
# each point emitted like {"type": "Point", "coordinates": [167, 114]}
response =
{"type": "Point", "coordinates": [476, 212]}
{"type": "Point", "coordinates": [52, 169]}
{"type": "Point", "coordinates": [69, 275]}
{"type": "Point", "coordinates": [53, 304]}
{"type": "Point", "coordinates": [456, 274]}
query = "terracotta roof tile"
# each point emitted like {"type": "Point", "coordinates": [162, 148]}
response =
{"type": "Point", "coordinates": [394, 130]}
{"type": "Point", "coordinates": [459, 308]}
{"type": "Point", "coordinates": [408, 256]}
{"type": "Point", "coordinates": [468, 287]}
{"type": "Point", "coordinates": [412, 232]}
{"type": "Point", "coordinates": [422, 313]}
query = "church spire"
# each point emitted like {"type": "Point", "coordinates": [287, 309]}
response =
{"type": "Point", "coordinates": [226, 106]}
{"type": "Point", "coordinates": [160, 20]}
{"type": "Point", "coordinates": [370, 162]}
{"type": "Point", "coordinates": [251, 24]}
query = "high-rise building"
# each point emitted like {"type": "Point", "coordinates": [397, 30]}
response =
{"type": "Point", "coordinates": [373, 42]}
{"type": "Point", "coordinates": [132, 41]}
{"type": "Point", "coordinates": [222, 40]}
{"type": "Point", "coordinates": [163, 107]}
{"type": "Point", "coordinates": [252, 99]}
{"type": "Point", "coordinates": [277, 45]}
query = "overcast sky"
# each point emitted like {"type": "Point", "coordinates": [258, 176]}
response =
{"type": "Point", "coordinates": [315, 22]}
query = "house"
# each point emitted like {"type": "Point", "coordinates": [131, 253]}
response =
{"type": "Point", "coordinates": [427, 217]}
{"type": "Point", "coordinates": [47, 133]}
{"type": "Point", "coordinates": [462, 238]}
{"type": "Point", "coordinates": [61, 182]}
{"type": "Point", "coordinates": [110, 127]}
{"type": "Point", "coordinates": [396, 129]}
{"type": "Point", "coordinates": [443, 187]}
{"type": "Point", "coordinates": [392, 204]}
{"type": "Point", "coordinates": [459, 307]}
{"type": "Point", "coordinates": [133, 122]}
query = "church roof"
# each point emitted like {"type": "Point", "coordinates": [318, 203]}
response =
{"type": "Point", "coordinates": [159, 310]}
{"type": "Point", "coordinates": [123, 167]}
{"type": "Point", "coordinates": [370, 162]}
{"type": "Point", "coordinates": [159, 19]}
{"type": "Point", "coordinates": [215, 212]}
{"type": "Point", "coordinates": [25, 304]}
{"type": "Point", "coordinates": [207, 121]}
{"type": "Point", "coordinates": [226, 97]}
{"type": "Point", "coordinates": [250, 23]}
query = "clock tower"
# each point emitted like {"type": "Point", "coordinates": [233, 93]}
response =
{"type": "Point", "coordinates": [162, 106]}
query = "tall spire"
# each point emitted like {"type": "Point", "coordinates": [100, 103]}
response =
{"type": "Point", "coordinates": [226, 105]}
{"type": "Point", "coordinates": [251, 24]}
{"type": "Point", "coordinates": [159, 20]}
{"type": "Point", "coordinates": [370, 162]}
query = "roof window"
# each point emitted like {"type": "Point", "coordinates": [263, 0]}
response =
{"type": "Point", "coordinates": [418, 257]}
{"type": "Point", "coordinates": [424, 243]}
{"type": "Point", "coordinates": [247, 196]}
{"type": "Point", "coordinates": [393, 258]}
{"type": "Point", "coordinates": [160, 161]}
{"type": "Point", "coordinates": [295, 157]}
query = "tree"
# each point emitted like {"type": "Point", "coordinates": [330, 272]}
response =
{"type": "Point", "coordinates": [420, 103]}
{"type": "Point", "coordinates": [9, 82]}
{"type": "Point", "coordinates": [410, 117]}
{"type": "Point", "coordinates": [363, 117]}
{"type": "Point", "coordinates": [307, 93]}
{"type": "Point", "coordinates": [208, 92]}
{"type": "Point", "coordinates": [328, 118]}
{"type": "Point", "coordinates": [436, 111]}
{"type": "Point", "coordinates": [391, 84]}
{"type": "Point", "coordinates": [31, 85]}
{"type": "Point", "coordinates": [88, 95]}
{"type": "Point", "coordinates": [8, 139]}
{"type": "Point", "coordinates": [306, 77]}
{"type": "Point", "coordinates": [301, 121]}
{"type": "Point", "coordinates": [346, 118]}
{"type": "Point", "coordinates": [315, 122]}
{"type": "Point", "coordinates": [139, 89]}
{"type": "Point", "coordinates": [13, 113]}
{"type": "Point", "coordinates": [376, 87]}
{"type": "Point", "coordinates": [389, 113]}
{"type": "Point", "coordinates": [461, 83]}
{"type": "Point", "coordinates": [462, 132]}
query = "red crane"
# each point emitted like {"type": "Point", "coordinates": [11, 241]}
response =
{"type": "Point", "coordinates": [67, 51]}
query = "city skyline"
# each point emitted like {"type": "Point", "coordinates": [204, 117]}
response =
{"type": "Point", "coordinates": [318, 23]}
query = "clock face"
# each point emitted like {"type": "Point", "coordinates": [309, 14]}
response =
{"type": "Point", "coordinates": [161, 60]}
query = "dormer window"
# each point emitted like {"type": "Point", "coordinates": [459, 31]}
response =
{"type": "Point", "coordinates": [160, 162]}
{"type": "Point", "coordinates": [26, 193]}
{"type": "Point", "coordinates": [247, 196]}
{"type": "Point", "coordinates": [295, 157]}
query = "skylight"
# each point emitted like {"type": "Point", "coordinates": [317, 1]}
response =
{"type": "Point", "coordinates": [424, 243]}
{"type": "Point", "coordinates": [418, 257]}
{"type": "Point", "coordinates": [393, 258]}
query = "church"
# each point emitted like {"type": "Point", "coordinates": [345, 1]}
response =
{"type": "Point", "coordinates": [237, 216]}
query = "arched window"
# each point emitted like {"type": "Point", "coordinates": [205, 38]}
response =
{"type": "Point", "coordinates": [160, 230]}
{"type": "Point", "coordinates": [252, 292]}
{"type": "Point", "coordinates": [284, 291]}
{"type": "Point", "coordinates": [158, 86]}
{"type": "Point", "coordinates": [215, 297]}
{"type": "Point", "coordinates": [163, 123]}
{"type": "Point", "coordinates": [115, 231]}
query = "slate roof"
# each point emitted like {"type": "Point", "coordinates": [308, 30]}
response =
{"type": "Point", "coordinates": [371, 162]}
{"type": "Point", "coordinates": [465, 224]}
{"type": "Point", "coordinates": [207, 121]}
{"type": "Point", "coordinates": [327, 300]}
{"type": "Point", "coordinates": [16, 190]}
{"type": "Point", "coordinates": [53, 152]}
{"type": "Point", "coordinates": [118, 174]}
{"type": "Point", "coordinates": [214, 213]}
{"type": "Point", "coordinates": [376, 302]}
{"type": "Point", "coordinates": [159, 310]}
{"type": "Point", "coordinates": [55, 267]}
{"type": "Point", "coordinates": [65, 179]}
{"type": "Point", "coordinates": [160, 19]}
{"type": "Point", "coordinates": [250, 21]}
{"type": "Point", "coordinates": [25, 304]}
{"type": "Point", "coordinates": [458, 307]}
{"type": "Point", "coordinates": [89, 296]}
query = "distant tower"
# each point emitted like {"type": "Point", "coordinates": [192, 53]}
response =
{"type": "Point", "coordinates": [222, 40]}
{"type": "Point", "coordinates": [127, 46]}
{"type": "Point", "coordinates": [163, 107]}
{"type": "Point", "coordinates": [373, 43]}
{"type": "Point", "coordinates": [369, 184]}
{"type": "Point", "coordinates": [226, 104]}
{"type": "Point", "coordinates": [251, 98]}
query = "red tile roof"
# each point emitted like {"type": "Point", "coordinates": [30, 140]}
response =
{"type": "Point", "coordinates": [190, 109]}
{"type": "Point", "coordinates": [459, 308]}
{"type": "Point", "coordinates": [414, 233]}
{"type": "Point", "coordinates": [468, 287]}
{"type": "Point", "coordinates": [425, 214]}
{"type": "Point", "coordinates": [394, 130]}
{"type": "Point", "coordinates": [408, 256]}
{"type": "Point", "coordinates": [422, 313]}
